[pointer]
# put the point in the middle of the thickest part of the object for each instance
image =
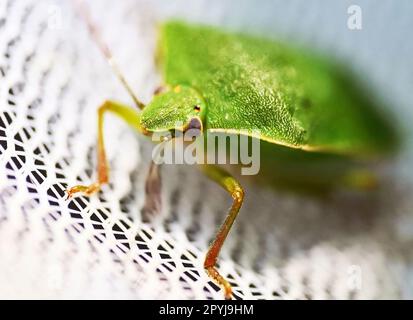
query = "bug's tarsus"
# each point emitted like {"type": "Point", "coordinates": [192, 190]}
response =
{"type": "Point", "coordinates": [84, 13]}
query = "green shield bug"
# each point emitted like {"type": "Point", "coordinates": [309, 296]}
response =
{"type": "Point", "coordinates": [316, 126]}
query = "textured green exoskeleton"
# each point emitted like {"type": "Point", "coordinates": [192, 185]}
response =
{"type": "Point", "coordinates": [295, 99]}
{"type": "Point", "coordinates": [314, 121]}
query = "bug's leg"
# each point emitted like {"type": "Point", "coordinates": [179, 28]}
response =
{"type": "Point", "coordinates": [129, 115]}
{"type": "Point", "coordinates": [153, 201]}
{"type": "Point", "coordinates": [230, 184]}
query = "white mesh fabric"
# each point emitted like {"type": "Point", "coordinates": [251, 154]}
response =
{"type": "Point", "coordinates": [52, 79]}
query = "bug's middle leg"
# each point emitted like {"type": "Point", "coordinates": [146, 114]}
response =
{"type": "Point", "coordinates": [230, 184]}
{"type": "Point", "coordinates": [130, 116]}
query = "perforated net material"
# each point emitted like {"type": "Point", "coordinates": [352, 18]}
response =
{"type": "Point", "coordinates": [52, 79]}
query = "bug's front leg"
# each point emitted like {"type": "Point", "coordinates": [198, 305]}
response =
{"type": "Point", "coordinates": [130, 116]}
{"type": "Point", "coordinates": [229, 183]}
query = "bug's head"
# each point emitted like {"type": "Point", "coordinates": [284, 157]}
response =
{"type": "Point", "coordinates": [179, 109]}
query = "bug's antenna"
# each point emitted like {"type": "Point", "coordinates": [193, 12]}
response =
{"type": "Point", "coordinates": [83, 11]}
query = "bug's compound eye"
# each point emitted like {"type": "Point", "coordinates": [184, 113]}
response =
{"type": "Point", "coordinates": [194, 126]}
{"type": "Point", "coordinates": [197, 108]}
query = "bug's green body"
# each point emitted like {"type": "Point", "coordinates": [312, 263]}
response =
{"type": "Point", "coordinates": [313, 120]}
{"type": "Point", "coordinates": [294, 98]}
